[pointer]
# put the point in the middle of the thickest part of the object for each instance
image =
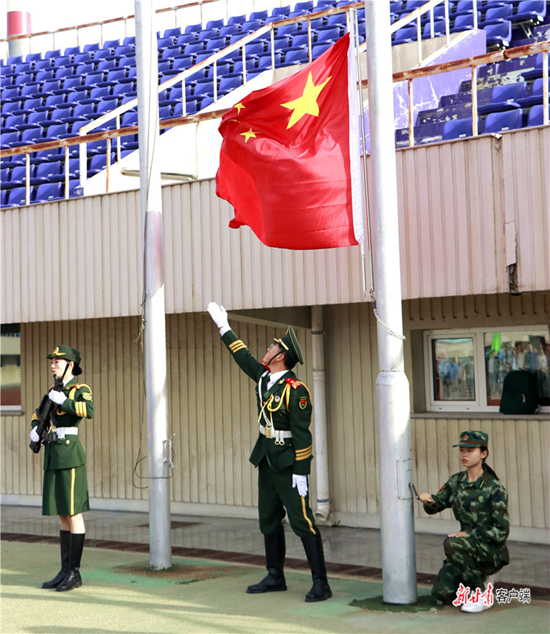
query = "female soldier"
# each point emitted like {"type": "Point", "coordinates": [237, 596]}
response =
{"type": "Point", "coordinates": [480, 504]}
{"type": "Point", "coordinates": [65, 491]}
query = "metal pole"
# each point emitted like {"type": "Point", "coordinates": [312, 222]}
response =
{"type": "Point", "coordinates": [153, 285]}
{"type": "Point", "coordinates": [392, 386]}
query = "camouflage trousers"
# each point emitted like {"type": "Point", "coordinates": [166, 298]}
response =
{"type": "Point", "coordinates": [466, 563]}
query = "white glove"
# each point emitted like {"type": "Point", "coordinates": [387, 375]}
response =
{"type": "Point", "coordinates": [34, 435]}
{"type": "Point", "coordinates": [219, 315]}
{"type": "Point", "coordinates": [301, 483]}
{"type": "Point", "coordinates": [57, 397]}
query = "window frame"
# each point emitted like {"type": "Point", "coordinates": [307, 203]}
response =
{"type": "Point", "coordinates": [13, 409]}
{"type": "Point", "coordinates": [480, 378]}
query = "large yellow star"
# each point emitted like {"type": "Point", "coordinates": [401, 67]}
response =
{"type": "Point", "coordinates": [307, 103]}
{"type": "Point", "coordinates": [239, 106]}
{"type": "Point", "coordinates": [248, 134]}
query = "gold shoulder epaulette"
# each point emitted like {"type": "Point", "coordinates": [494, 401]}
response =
{"type": "Point", "coordinates": [79, 386]}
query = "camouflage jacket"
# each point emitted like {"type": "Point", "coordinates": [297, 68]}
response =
{"type": "Point", "coordinates": [481, 507]}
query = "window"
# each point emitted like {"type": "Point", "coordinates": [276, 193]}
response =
{"type": "Point", "coordinates": [465, 369]}
{"type": "Point", "coordinates": [10, 367]}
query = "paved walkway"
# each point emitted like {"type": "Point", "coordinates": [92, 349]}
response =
{"type": "Point", "coordinates": [240, 540]}
{"type": "Point", "coordinates": [120, 595]}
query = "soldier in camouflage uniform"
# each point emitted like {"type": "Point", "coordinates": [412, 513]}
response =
{"type": "Point", "coordinates": [65, 490]}
{"type": "Point", "coordinates": [480, 503]}
{"type": "Point", "coordinates": [282, 454]}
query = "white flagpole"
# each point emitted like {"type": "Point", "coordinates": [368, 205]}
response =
{"type": "Point", "coordinates": [392, 387]}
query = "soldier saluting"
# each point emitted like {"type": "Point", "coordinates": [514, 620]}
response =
{"type": "Point", "coordinates": [282, 454]}
{"type": "Point", "coordinates": [65, 490]}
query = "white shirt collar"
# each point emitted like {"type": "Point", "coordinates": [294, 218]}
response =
{"type": "Point", "coordinates": [273, 378]}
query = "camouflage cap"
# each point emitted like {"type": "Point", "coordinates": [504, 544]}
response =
{"type": "Point", "coordinates": [473, 439]}
{"type": "Point", "coordinates": [69, 354]}
{"type": "Point", "coordinates": [290, 343]}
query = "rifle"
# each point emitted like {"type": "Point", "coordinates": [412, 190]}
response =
{"type": "Point", "coordinates": [46, 415]}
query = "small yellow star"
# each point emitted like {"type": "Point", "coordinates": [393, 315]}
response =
{"type": "Point", "coordinates": [248, 134]}
{"type": "Point", "coordinates": [307, 103]}
{"type": "Point", "coordinates": [239, 106]}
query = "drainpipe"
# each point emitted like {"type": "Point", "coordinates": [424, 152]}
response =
{"type": "Point", "coordinates": [320, 411]}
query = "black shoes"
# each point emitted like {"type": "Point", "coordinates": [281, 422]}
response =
{"type": "Point", "coordinates": [320, 590]}
{"type": "Point", "coordinates": [275, 550]}
{"type": "Point", "coordinates": [65, 542]}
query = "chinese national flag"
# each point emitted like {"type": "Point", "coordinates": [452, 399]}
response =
{"type": "Point", "coordinates": [289, 160]}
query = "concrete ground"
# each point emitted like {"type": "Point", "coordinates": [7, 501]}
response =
{"type": "Point", "coordinates": [201, 596]}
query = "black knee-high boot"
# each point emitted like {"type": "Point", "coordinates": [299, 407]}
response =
{"type": "Point", "coordinates": [65, 543]}
{"type": "Point", "coordinates": [275, 550]}
{"type": "Point", "coordinates": [73, 579]}
{"type": "Point", "coordinates": [320, 591]}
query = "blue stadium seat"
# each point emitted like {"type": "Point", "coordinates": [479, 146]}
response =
{"type": "Point", "coordinates": [504, 97]}
{"type": "Point", "coordinates": [331, 34]}
{"type": "Point", "coordinates": [111, 44]}
{"type": "Point", "coordinates": [106, 106]}
{"type": "Point", "coordinates": [214, 24]}
{"type": "Point", "coordinates": [175, 32]}
{"type": "Point", "coordinates": [287, 29]}
{"type": "Point", "coordinates": [18, 176]}
{"type": "Point", "coordinates": [296, 56]}
{"type": "Point", "coordinates": [465, 22]}
{"type": "Point", "coordinates": [237, 19]}
{"type": "Point", "coordinates": [319, 49]}
{"type": "Point", "coordinates": [465, 6]}
{"type": "Point", "coordinates": [457, 129]}
{"type": "Point", "coordinates": [194, 48]}
{"type": "Point", "coordinates": [83, 58]}
{"type": "Point", "coordinates": [105, 65]}
{"type": "Point", "coordinates": [45, 171]}
{"type": "Point", "coordinates": [501, 121]}
{"type": "Point", "coordinates": [17, 197]}
{"type": "Point", "coordinates": [166, 42]}
{"type": "Point", "coordinates": [532, 11]}
{"type": "Point", "coordinates": [251, 26]}
{"type": "Point", "coordinates": [131, 39]}
{"type": "Point", "coordinates": [47, 192]}
{"type": "Point", "coordinates": [498, 35]}
{"type": "Point", "coordinates": [52, 54]}
{"type": "Point", "coordinates": [536, 115]}
{"type": "Point", "coordinates": [61, 73]}
{"type": "Point", "coordinates": [207, 34]}
{"type": "Point", "coordinates": [258, 15]}
{"type": "Point", "coordinates": [165, 112]}
{"type": "Point", "coordinates": [187, 38]}
{"type": "Point", "coordinates": [497, 14]}
{"type": "Point", "coordinates": [281, 11]}
{"type": "Point", "coordinates": [44, 75]}
{"type": "Point", "coordinates": [3, 197]}
{"type": "Point", "coordinates": [7, 138]}
{"type": "Point", "coordinates": [98, 163]}
{"type": "Point", "coordinates": [103, 54]}
{"type": "Point", "coordinates": [84, 69]}
{"type": "Point", "coordinates": [439, 29]}
{"type": "Point", "coordinates": [129, 118]}
{"type": "Point", "coordinates": [227, 84]}
{"type": "Point", "coordinates": [127, 61]}
{"type": "Point", "coordinates": [204, 87]}
{"type": "Point", "coordinates": [215, 44]}
{"type": "Point", "coordinates": [536, 95]}
{"type": "Point", "coordinates": [193, 28]}
{"type": "Point", "coordinates": [34, 57]}
{"type": "Point", "coordinates": [304, 6]}
{"type": "Point", "coordinates": [405, 35]}
{"type": "Point", "coordinates": [264, 61]}
{"type": "Point", "coordinates": [90, 48]}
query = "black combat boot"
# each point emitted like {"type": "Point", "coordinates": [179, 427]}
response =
{"type": "Point", "coordinates": [65, 542]}
{"type": "Point", "coordinates": [73, 579]}
{"type": "Point", "coordinates": [275, 550]}
{"type": "Point", "coordinates": [320, 590]}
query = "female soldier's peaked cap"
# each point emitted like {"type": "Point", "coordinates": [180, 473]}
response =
{"type": "Point", "coordinates": [473, 439]}
{"type": "Point", "coordinates": [69, 354]}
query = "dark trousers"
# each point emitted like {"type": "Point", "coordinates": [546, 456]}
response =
{"type": "Point", "coordinates": [276, 494]}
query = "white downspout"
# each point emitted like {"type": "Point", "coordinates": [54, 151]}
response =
{"type": "Point", "coordinates": [320, 413]}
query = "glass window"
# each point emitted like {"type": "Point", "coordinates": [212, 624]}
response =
{"type": "Point", "coordinates": [10, 366]}
{"type": "Point", "coordinates": [453, 369]}
{"type": "Point", "coordinates": [467, 368]}
{"type": "Point", "coordinates": [527, 350]}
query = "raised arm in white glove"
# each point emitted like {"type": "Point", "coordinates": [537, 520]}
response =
{"type": "Point", "coordinates": [300, 482]}
{"type": "Point", "coordinates": [34, 435]}
{"type": "Point", "coordinates": [57, 397]}
{"type": "Point", "coordinates": [219, 316]}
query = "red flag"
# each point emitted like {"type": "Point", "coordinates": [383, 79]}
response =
{"type": "Point", "coordinates": [289, 160]}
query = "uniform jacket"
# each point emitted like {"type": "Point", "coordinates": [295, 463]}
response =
{"type": "Point", "coordinates": [287, 405]}
{"type": "Point", "coordinates": [69, 452]}
{"type": "Point", "coordinates": [481, 507]}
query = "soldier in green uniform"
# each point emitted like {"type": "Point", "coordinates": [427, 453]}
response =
{"type": "Point", "coordinates": [65, 491]}
{"type": "Point", "coordinates": [282, 454]}
{"type": "Point", "coordinates": [480, 503]}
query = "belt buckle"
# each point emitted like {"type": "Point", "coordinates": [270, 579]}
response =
{"type": "Point", "coordinates": [268, 432]}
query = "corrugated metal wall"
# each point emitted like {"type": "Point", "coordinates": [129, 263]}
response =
{"type": "Point", "coordinates": [463, 205]}
{"type": "Point", "coordinates": [213, 414]}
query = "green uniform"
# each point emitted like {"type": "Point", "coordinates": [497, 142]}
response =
{"type": "Point", "coordinates": [285, 407]}
{"type": "Point", "coordinates": [481, 507]}
{"type": "Point", "coordinates": [65, 489]}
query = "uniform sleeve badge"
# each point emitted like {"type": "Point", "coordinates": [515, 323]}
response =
{"type": "Point", "coordinates": [441, 490]}
{"type": "Point", "coordinates": [87, 396]}
{"type": "Point", "coordinates": [303, 402]}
